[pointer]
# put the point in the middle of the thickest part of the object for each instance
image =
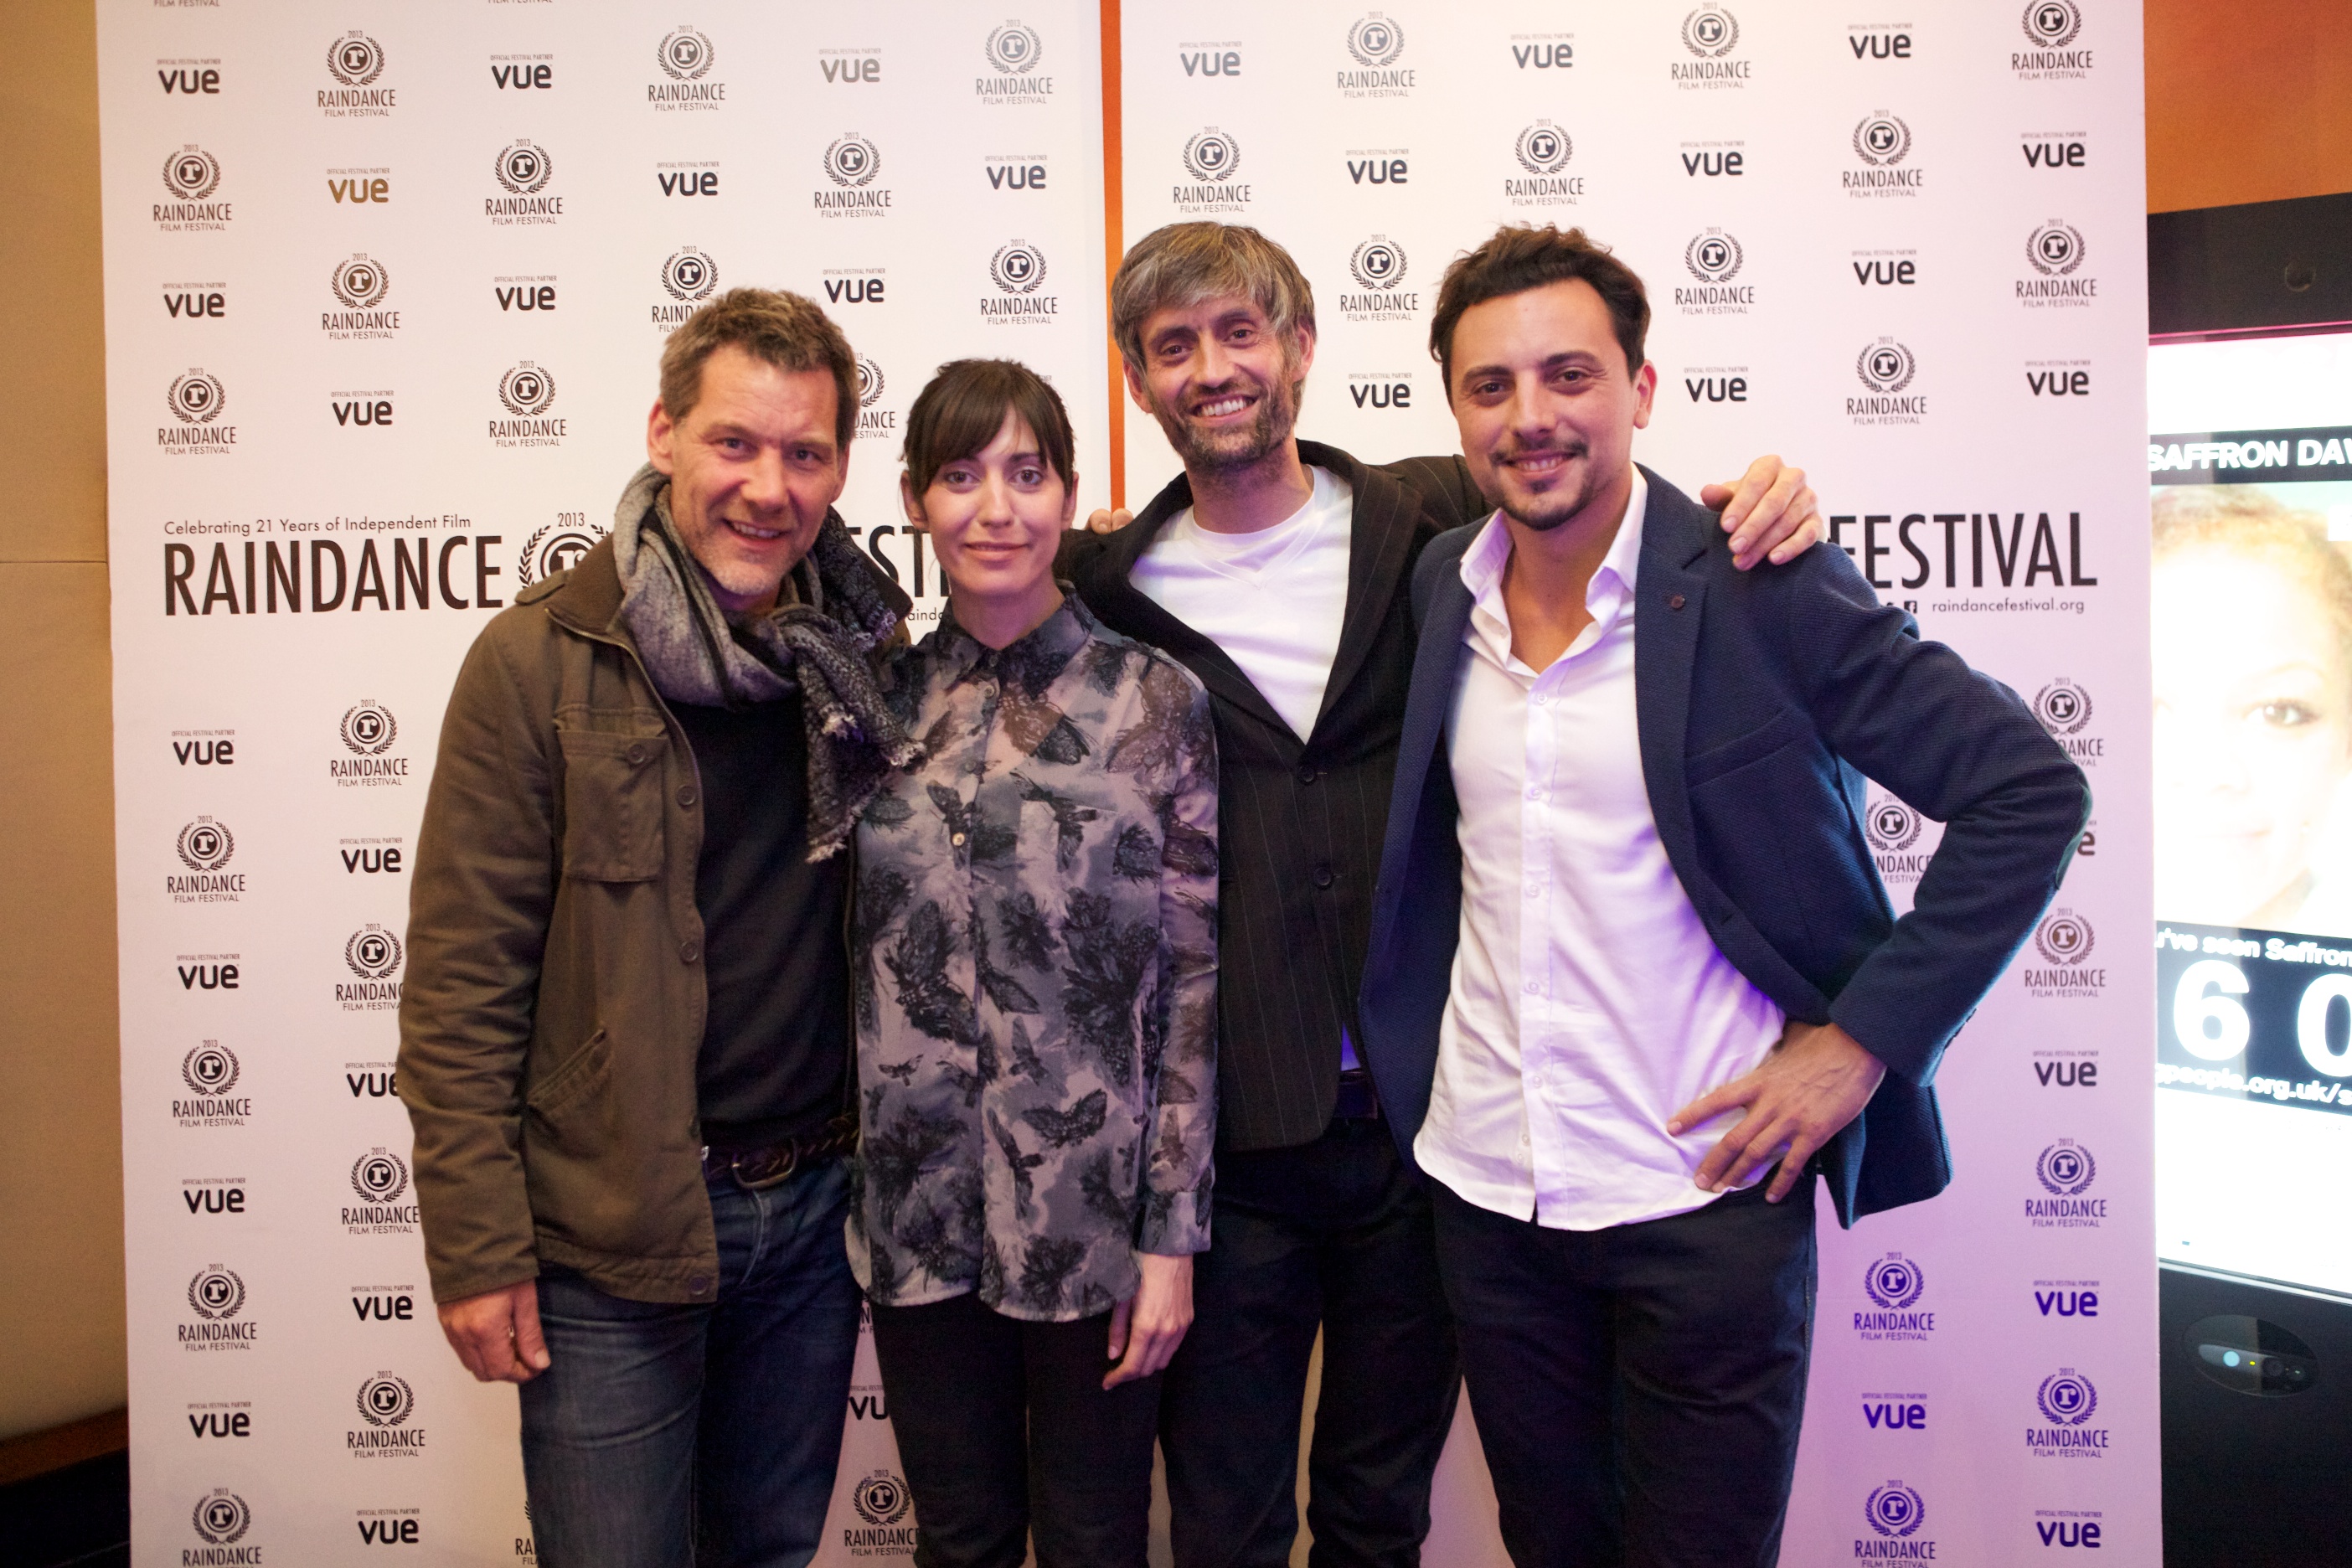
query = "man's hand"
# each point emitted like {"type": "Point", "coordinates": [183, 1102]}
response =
{"type": "Point", "coordinates": [1108, 521]}
{"type": "Point", "coordinates": [497, 1335]}
{"type": "Point", "coordinates": [1146, 1328]}
{"type": "Point", "coordinates": [1817, 1080]}
{"type": "Point", "coordinates": [1771, 509]}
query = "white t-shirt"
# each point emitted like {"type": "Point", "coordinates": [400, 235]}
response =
{"type": "Point", "coordinates": [1274, 600]}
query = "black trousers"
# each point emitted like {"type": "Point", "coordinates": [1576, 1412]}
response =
{"type": "Point", "coordinates": [1638, 1390]}
{"type": "Point", "coordinates": [1004, 1429]}
{"type": "Point", "coordinates": [1337, 1234]}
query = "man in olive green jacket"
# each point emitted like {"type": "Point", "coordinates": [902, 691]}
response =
{"type": "Point", "coordinates": [625, 1031]}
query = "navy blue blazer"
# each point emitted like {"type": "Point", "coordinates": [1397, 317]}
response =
{"type": "Point", "coordinates": [1762, 699]}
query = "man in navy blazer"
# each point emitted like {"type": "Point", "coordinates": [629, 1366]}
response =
{"type": "Point", "coordinates": [1633, 979]}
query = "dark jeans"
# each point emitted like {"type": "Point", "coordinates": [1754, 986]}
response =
{"type": "Point", "coordinates": [665, 1437]}
{"type": "Point", "coordinates": [1334, 1233]}
{"type": "Point", "coordinates": [1638, 1389]}
{"type": "Point", "coordinates": [1005, 1427]}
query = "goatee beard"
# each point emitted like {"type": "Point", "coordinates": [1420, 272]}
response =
{"type": "Point", "coordinates": [1554, 508]}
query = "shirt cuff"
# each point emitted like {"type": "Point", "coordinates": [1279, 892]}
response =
{"type": "Point", "coordinates": [1175, 1224]}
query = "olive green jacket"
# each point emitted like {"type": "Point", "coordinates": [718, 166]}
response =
{"type": "Point", "coordinates": [553, 1007]}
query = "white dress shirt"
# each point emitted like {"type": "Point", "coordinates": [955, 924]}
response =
{"type": "Point", "coordinates": [1589, 1003]}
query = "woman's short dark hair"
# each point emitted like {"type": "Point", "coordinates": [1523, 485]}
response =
{"type": "Point", "coordinates": [959, 412]}
{"type": "Point", "coordinates": [1518, 258]}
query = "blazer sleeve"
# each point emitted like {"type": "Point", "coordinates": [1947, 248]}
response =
{"type": "Point", "coordinates": [1958, 746]}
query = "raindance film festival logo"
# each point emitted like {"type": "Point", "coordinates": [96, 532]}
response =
{"type": "Point", "coordinates": [1014, 52]}
{"type": "Point", "coordinates": [1886, 368]}
{"type": "Point", "coordinates": [216, 1298]}
{"type": "Point", "coordinates": [1894, 1284]}
{"type": "Point", "coordinates": [190, 175]}
{"type": "Point", "coordinates": [686, 57]}
{"type": "Point", "coordinates": [355, 60]}
{"type": "Point", "coordinates": [210, 1070]}
{"type": "Point", "coordinates": [1714, 258]}
{"type": "Point", "coordinates": [197, 400]}
{"type": "Point", "coordinates": [1894, 1513]}
{"type": "Point", "coordinates": [368, 731]}
{"type": "Point", "coordinates": [2055, 253]}
{"type": "Point", "coordinates": [2051, 26]}
{"type": "Point", "coordinates": [2064, 942]}
{"type": "Point", "coordinates": [206, 847]}
{"type": "Point", "coordinates": [360, 286]}
{"type": "Point", "coordinates": [380, 1177]}
{"type": "Point", "coordinates": [1379, 268]}
{"type": "Point", "coordinates": [385, 1403]}
{"type": "Point", "coordinates": [2065, 710]}
{"type": "Point", "coordinates": [1018, 270]}
{"type": "Point", "coordinates": [688, 278]}
{"type": "Point", "coordinates": [1892, 828]}
{"type": "Point", "coordinates": [873, 421]}
{"type": "Point", "coordinates": [221, 1518]}
{"type": "Point", "coordinates": [851, 162]}
{"type": "Point", "coordinates": [2066, 1171]}
{"type": "Point", "coordinates": [1544, 150]}
{"type": "Point", "coordinates": [1710, 34]}
{"type": "Point", "coordinates": [1883, 143]}
{"type": "Point", "coordinates": [372, 954]}
{"type": "Point", "coordinates": [881, 1501]}
{"type": "Point", "coordinates": [2067, 1401]}
{"type": "Point", "coordinates": [524, 168]}
{"type": "Point", "coordinates": [529, 392]}
{"type": "Point", "coordinates": [1377, 42]}
{"type": "Point", "coordinates": [1213, 159]}
{"type": "Point", "coordinates": [557, 547]}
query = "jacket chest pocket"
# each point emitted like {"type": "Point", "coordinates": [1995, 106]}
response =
{"type": "Point", "coordinates": [612, 804]}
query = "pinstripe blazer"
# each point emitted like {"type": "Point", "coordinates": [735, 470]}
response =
{"type": "Point", "coordinates": [1300, 822]}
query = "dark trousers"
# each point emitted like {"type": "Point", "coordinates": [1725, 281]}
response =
{"type": "Point", "coordinates": [1335, 1233]}
{"type": "Point", "coordinates": [1004, 1429]}
{"type": "Point", "coordinates": [1638, 1390]}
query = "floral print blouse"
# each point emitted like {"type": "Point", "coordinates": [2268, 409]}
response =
{"type": "Point", "coordinates": [1034, 942]}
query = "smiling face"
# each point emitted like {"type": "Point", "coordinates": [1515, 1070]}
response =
{"type": "Point", "coordinates": [1222, 382]}
{"type": "Point", "coordinates": [995, 519]}
{"type": "Point", "coordinates": [753, 467]}
{"type": "Point", "coordinates": [2253, 734]}
{"type": "Point", "coordinates": [1545, 403]}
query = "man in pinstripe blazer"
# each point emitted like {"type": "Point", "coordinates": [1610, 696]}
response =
{"type": "Point", "coordinates": [1276, 570]}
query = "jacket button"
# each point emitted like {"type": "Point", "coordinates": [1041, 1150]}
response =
{"type": "Point", "coordinates": [1323, 878]}
{"type": "Point", "coordinates": [698, 1286]}
{"type": "Point", "coordinates": [636, 755]}
{"type": "Point", "coordinates": [687, 952]}
{"type": "Point", "coordinates": [687, 795]}
{"type": "Point", "coordinates": [1308, 775]}
{"type": "Point", "coordinates": [1676, 603]}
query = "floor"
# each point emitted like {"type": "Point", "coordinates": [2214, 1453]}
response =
{"type": "Point", "coordinates": [78, 1516]}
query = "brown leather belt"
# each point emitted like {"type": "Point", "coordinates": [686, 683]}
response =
{"type": "Point", "coordinates": [754, 1169]}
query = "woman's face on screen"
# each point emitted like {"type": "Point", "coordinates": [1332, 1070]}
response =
{"type": "Point", "coordinates": [2253, 734]}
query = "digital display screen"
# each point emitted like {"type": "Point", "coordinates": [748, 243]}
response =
{"type": "Point", "coordinates": [2250, 471]}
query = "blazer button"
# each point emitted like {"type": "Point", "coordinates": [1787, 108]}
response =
{"type": "Point", "coordinates": [687, 952]}
{"type": "Point", "coordinates": [1323, 878]}
{"type": "Point", "coordinates": [1676, 601]}
{"type": "Point", "coordinates": [687, 795]}
{"type": "Point", "coordinates": [1308, 775]}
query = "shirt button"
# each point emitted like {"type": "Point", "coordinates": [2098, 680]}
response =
{"type": "Point", "coordinates": [1535, 890]}
{"type": "Point", "coordinates": [1538, 699]}
{"type": "Point", "coordinates": [698, 1286]}
{"type": "Point", "coordinates": [688, 950]}
{"type": "Point", "coordinates": [687, 795]}
{"type": "Point", "coordinates": [1323, 878]}
{"type": "Point", "coordinates": [1535, 792]}
{"type": "Point", "coordinates": [1534, 986]}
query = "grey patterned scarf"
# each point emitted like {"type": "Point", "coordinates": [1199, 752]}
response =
{"type": "Point", "coordinates": [815, 641]}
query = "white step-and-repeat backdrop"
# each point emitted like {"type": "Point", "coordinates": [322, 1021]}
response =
{"type": "Point", "coordinates": [385, 293]}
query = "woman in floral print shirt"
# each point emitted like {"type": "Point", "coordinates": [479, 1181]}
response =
{"type": "Point", "coordinates": [1035, 946]}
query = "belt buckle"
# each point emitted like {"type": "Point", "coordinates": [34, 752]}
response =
{"type": "Point", "coordinates": [783, 1174]}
